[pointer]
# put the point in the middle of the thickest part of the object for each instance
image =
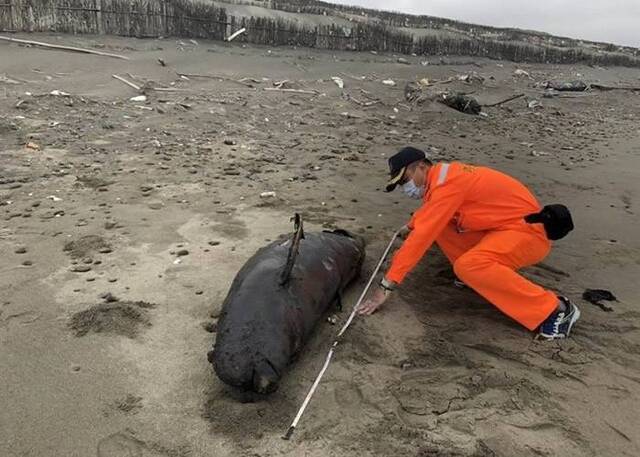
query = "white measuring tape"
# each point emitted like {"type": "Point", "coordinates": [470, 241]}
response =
{"type": "Point", "coordinates": [315, 384]}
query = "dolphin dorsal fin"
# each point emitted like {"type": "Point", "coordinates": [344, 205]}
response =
{"type": "Point", "coordinates": [298, 234]}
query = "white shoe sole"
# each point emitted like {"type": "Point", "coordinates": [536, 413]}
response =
{"type": "Point", "coordinates": [574, 318]}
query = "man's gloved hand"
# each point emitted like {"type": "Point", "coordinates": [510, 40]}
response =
{"type": "Point", "coordinates": [404, 232]}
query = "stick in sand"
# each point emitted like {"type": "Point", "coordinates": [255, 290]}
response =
{"type": "Point", "coordinates": [128, 83]}
{"type": "Point", "coordinates": [221, 78]}
{"type": "Point", "coordinates": [603, 87]}
{"type": "Point", "coordinates": [293, 91]}
{"type": "Point", "coordinates": [63, 48]}
{"type": "Point", "coordinates": [504, 101]}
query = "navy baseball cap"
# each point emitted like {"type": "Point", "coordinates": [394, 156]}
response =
{"type": "Point", "coordinates": [399, 162]}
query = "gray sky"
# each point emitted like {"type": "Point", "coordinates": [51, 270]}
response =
{"type": "Point", "coordinates": [614, 21]}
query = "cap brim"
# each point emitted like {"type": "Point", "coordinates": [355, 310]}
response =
{"type": "Point", "coordinates": [393, 182]}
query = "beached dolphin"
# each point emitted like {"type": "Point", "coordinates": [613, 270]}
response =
{"type": "Point", "coordinates": [275, 302]}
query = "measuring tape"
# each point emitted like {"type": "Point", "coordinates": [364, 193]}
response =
{"type": "Point", "coordinates": [327, 361]}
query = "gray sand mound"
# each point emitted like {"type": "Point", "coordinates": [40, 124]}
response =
{"type": "Point", "coordinates": [121, 318]}
{"type": "Point", "coordinates": [86, 245]}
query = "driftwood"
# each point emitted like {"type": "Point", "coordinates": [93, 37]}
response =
{"type": "Point", "coordinates": [605, 88]}
{"type": "Point", "coordinates": [128, 83]}
{"type": "Point", "coordinates": [515, 97]}
{"type": "Point", "coordinates": [170, 89]}
{"type": "Point", "coordinates": [294, 91]}
{"type": "Point", "coordinates": [221, 78]}
{"type": "Point", "coordinates": [147, 87]}
{"type": "Point", "coordinates": [365, 104]}
{"type": "Point", "coordinates": [567, 86]}
{"type": "Point", "coordinates": [63, 48]}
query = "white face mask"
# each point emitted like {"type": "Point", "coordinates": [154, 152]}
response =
{"type": "Point", "coordinates": [411, 190]}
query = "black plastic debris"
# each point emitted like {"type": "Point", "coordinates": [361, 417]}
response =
{"type": "Point", "coordinates": [596, 296]}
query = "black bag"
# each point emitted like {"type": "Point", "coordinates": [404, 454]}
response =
{"type": "Point", "coordinates": [556, 219]}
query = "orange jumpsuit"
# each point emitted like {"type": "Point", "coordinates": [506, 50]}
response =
{"type": "Point", "coordinates": [476, 215]}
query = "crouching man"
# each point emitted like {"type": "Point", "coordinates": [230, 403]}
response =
{"type": "Point", "coordinates": [489, 225]}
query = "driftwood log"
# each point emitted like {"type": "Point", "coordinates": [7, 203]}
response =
{"type": "Point", "coordinates": [62, 48]}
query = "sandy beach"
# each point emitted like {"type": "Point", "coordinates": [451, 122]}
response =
{"type": "Point", "coordinates": [123, 223]}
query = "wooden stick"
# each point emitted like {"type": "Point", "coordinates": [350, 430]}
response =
{"type": "Point", "coordinates": [504, 101]}
{"type": "Point", "coordinates": [170, 89]}
{"type": "Point", "coordinates": [294, 91]}
{"type": "Point", "coordinates": [64, 48]}
{"type": "Point", "coordinates": [603, 87]}
{"type": "Point", "coordinates": [234, 35]}
{"type": "Point", "coordinates": [128, 83]}
{"type": "Point", "coordinates": [361, 103]}
{"type": "Point", "coordinates": [222, 78]}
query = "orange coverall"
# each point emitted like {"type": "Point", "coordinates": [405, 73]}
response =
{"type": "Point", "coordinates": [476, 215]}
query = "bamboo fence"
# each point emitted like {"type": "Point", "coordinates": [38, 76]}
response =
{"type": "Point", "coordinates": [195, 19]}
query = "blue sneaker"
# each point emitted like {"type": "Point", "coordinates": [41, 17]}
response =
{"type": "Point", "coordinates": [560, 323]}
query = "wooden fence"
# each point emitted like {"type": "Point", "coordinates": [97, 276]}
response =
{"type": "Point", "coordinates": [194, 19]}
{"type": "Point", "coordinates": [140, 18]}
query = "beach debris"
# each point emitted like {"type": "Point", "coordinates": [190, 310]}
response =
{"type": "Point", "coordinates": [269, 194]}
{"type": "Point", "coordinates": [422, 91]}
{"type": "Point", "coordinates": [460, 102]}
{"type": "Point", "coordinates": [162, 62]}
{"type": "Point", "coordinates": [32, 145]}
{"type": "Point", "coordinates": [533, 104]}
{"type": "Point", "coordinates": [403, 61]}
{"type": "Point", "coordinates": [59, 93]}
{"type": "Point", "coordinates": [128, 83]}
{"type": "Point", "coordinates": [108, 297]}
{"type": "Point", "coordinates": [521, 73]}
{"type": "Point", "coordinates": [139, 98]}
{"type": "Point", "coordinates": [62, 48]}
{"type": "Point", "coordinates": [54, 198]}
{"type": "Point", "coordinates": [7, 80]}
{"type": "Point", "coordinates": [471, 78]}
{"type": "Point", "coordinates": [596, 296]}
{"type": "Point", "coordinates": [389, 82]}
{"type": "Point", "coordinates": [535, 153]}
{"type": "Point", "coordinates": [339, 81]}
{"type": "Point", "coordinates": [566, 86]}
{"type": "Point", "coordinates": [506, 100]}
{"type": "Point", "coordinates": [236, 34]}
{"type": "Point", "coordinates": [606, 88]}
{"type": "Point", "coordinates": [294, 91]}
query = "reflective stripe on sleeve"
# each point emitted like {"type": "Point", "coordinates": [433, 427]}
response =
{"type": "Point", "coordinates": [444, 169]}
